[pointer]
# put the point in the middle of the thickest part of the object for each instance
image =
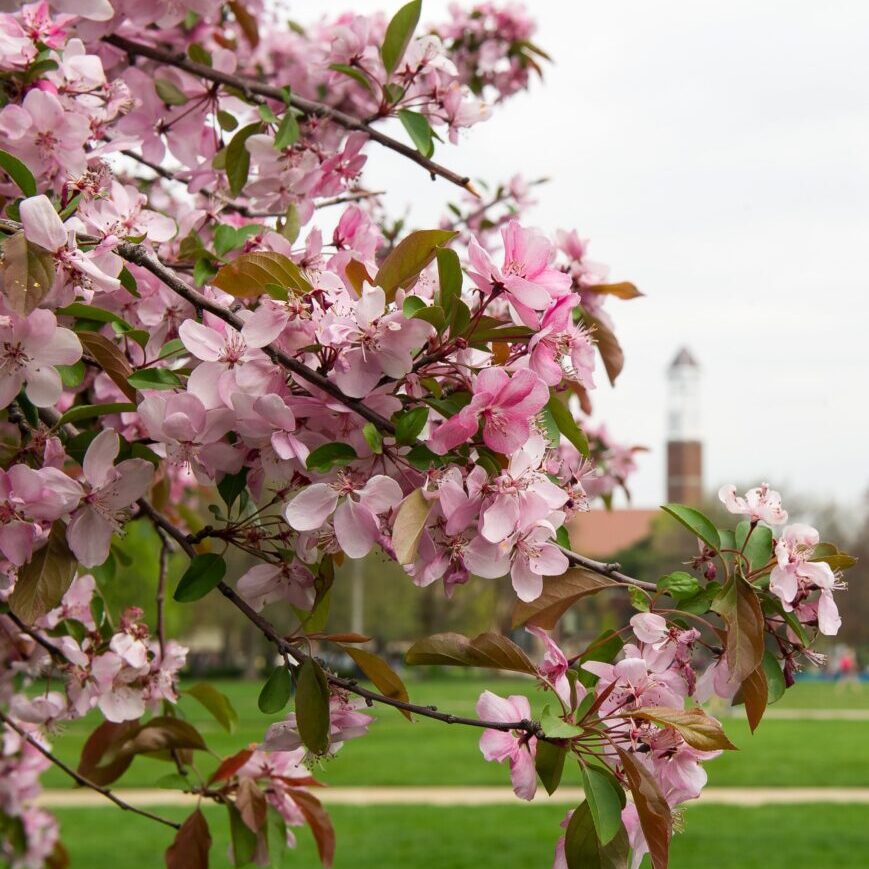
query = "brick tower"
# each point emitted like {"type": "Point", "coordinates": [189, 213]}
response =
{"type": "Point", "coordinates": [684, 445]}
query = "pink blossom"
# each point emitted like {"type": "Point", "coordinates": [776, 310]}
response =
{"type": "Point", "coordinates": [288, 581]}
{"type": "Point", "coordinates": [795, 573]}
{"type": "Point", "coordinates": [559, 348]}
{"type": "Point", "coordinates": [110, 490]}
{"type": "Point", "coordinates": [506, 406]}
{"type": "Point", "coordinates": [517, 747]}
{"type": "Point", "coordinates": [357, 527]}
{"type": "Point", "coordinates": [555, 666]}
{"type": "Point", "coordinates": [761, 504]}
{"type": "Point", "coordinates": [30, 347]}
{"type": "Point", "coordinates": [76, 604]}
{"type": "Point", "coordinates": [526, 277]}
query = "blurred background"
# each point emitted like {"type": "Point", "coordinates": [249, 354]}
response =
{"type": "Point", "coordinates": [716, 155]}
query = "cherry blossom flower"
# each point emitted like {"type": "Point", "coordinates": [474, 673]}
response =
{"type": "Point", "coordinates": [267, 583]}
{"type": "Point", "coordinates": [554, 668]}
{"type": "Point", "coordinates": [562, 349]}
{"type": "Point", "coordinates": [795, 573]}
{"type": "Point", "coordinates": [517, 747]}
{"type": "Point", "coordinates": [506, 406]}
{"type": "Point", "coordinates": [30, 348]}
{"type": "Point", "coordinates": [110, 490]}
{"type": "Point", "coordinates": [356, 518]}
{"type": "Point", "coordinates": [761, 504]}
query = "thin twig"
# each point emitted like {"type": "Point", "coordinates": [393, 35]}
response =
{"type": "Point", "coordinates": [612, 570]}
{"type": "Point", "coordinates": [162, 570]}
{"type": "Point", "coordinates": [80, 779]}
{"type": "Point", "coordinates": [308, 107]}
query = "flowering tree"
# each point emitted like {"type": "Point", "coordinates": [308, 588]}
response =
{"type": "Point", "coordinates": [178, 329]}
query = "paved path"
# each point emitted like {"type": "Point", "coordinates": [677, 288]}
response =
{"type": "Point", "coordinates": [461, 796]}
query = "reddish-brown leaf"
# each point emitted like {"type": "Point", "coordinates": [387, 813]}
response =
{"type": "Point", "coordinates": [738, 605]}
{"type": "Point", "coordinates": [99, 762]}
{"type": "Point", "coordinates": [381, 674]}
{"type": "Point", "coordinates": [609, 348]}
{"type": "Point", "coordinates": [251, 804]}
{"type": "Point", "coordinates": [192, 843]}
{"type": "Point", "coordinates": [755, 693]}
{"type": "Point", "coordinates": [163, 733]}
{"type": "Point", "coordinates": [697, 728]}
{"type": "Point", "coordinates": [110, 358]}
{"type": "Point", "coordinates": [622, 290]}
{"type": "Point", "coordinates": [558, 595]}
{"type": "Point", "coordinates": [319, 822]}
{"type": "Point", "coordinates": [653, 810]}
{"type": "Point", "coordinates": [485, 650]}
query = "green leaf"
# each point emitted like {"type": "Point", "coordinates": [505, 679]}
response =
{"type": "Point", "coordinates": [228, 122]}
{"type": "Point", "coordinates": [409, 257]}
{"type": "Point", "coordinates": [312, 707]}
{"type": "Point", "coordinates": [154, 378]}
{"type": "Point", "coordinates": [244, 840]}
{"type": "Point", "coordinates": [19, 173]}
{"type": "Point", "coordinates": [583, 850]}
{"type": "Point", "coordinates": [90, 411]}
{"type": "Point", "coordinates": [409, 424]}
{"type": "Point", "coordinates": [198, 54]}
{"type": "Point", "coordinates": [606, 799]}
{"type": "Point", "coordinates": [276, 692]}
{"type": "Point", "coordinates": [250, 275]}
{"type": "Point", "coordinates": [231, 486]}
{"type": "Point", "coordinates": [28, 274]}
{"type": "Point", "coordinates": [128, 282]}
{"type": "Point", "coordinates": [353, 72]}
{"type": "Point", "coordinates": [775, 680]}
{"type": "Point", "coordinates": [217, 703]}
{"type": "Point", "coordinates": [238, 158]}
{"type": "Point", "coordinates": [398, 34]}
{"type": "Point", "coordinates": [412, 305]}
{"type": "Point", "coordinates": [419, 130]}
{"type": "Point", "coordinates": [549, 762]}
{"type": "Point", "coordinates": [567, 425]}
{"type": "Point", "coordinates": [170, 93]}
{"type": "Point", "coordinates": [755, 545]}
{"type": "Point", "coordinates": [71, 375]}
{"type": "Point", "coordinates": [680, 585]}
{"type": "Point", "coordinates": [202, 575]}
{"type": "Point", "coordinates": [696, 523]}
{"type": "Point", "coordinates": [329, 456]}
{"type": "Point", "coordinates": [640, 599]}
{"type": "Point", "coordinates": [373, 438]}
{"type": "Point", "coordinates": [91, 313]}
{"type": "Point", "coordinates": [449, 280]}
{"type": "Point", "coordinates": [43, 580]}
{"type": "Point", "coordinates": [288, 131]}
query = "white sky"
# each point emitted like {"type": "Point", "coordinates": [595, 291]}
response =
{"type": "Point", "coordinates": [717, 154]}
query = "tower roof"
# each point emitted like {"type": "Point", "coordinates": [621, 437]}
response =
{"type": "Point", "coordinates": [684, 359]}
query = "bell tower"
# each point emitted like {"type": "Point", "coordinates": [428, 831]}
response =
{"type": "Point", "coordinates": [684, 445]}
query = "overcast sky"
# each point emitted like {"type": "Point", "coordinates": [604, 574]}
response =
{"type": "Point", "coordinates": [717, 154]}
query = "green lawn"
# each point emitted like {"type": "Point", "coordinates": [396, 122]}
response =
{"type": "Point", "coordinates": [427, 752]}
{"type": "Point", "coordinates": [404, 837]}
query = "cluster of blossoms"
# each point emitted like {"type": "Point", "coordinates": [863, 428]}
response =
{"type": "Point", "coordinates": [339, 387]}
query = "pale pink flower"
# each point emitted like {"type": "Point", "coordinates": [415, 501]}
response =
{"type": "Point", "coordinates": [357, 527]}
{"type": "Point", "coordinates": [761, 504]}
{"type": "Point", "coordinates": [76, 604]}
{"type": "Point", "coordinates": [30, 347]}
{"type": "Point", "coordinates": [517, 747]}
{"type": "Point", "coordinates": [110, 490]}
{"type": "Point", "coordinates": [287, 581]}
{"type": "Point", "coordinates": [795, 573]}
{"type": "Point", "coordinates": [506, 405]}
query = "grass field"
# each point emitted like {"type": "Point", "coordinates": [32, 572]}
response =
{"type": "Point", "coordinates": [502, 837]}
{"type": "Point", "coordinates": [398, 753]}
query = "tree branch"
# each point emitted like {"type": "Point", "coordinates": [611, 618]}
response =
{"type": "Point", "coordinates": [308, 107]}
{"type": "Point", "coordinates": [612, 570]}
{"type": "Point", "coordinates": [80, 779]}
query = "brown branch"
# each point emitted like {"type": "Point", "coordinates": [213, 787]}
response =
{"type": "Point", "coordinates": [52, 650]}
{"type": "Point", "coordinates": [162, 571]}
{"type": "Point", "coordinates": [612, 570]}
{"type": "Point", "coordinates": [80, 779]}
{"type": "Point", "coordinates": [251, 87]}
